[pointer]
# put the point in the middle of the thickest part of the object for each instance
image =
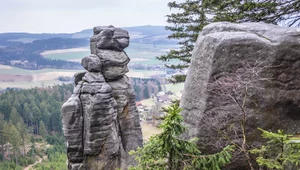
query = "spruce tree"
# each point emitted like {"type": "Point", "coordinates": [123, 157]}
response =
{"type": "Point", "coordinates": [282, 12]}
{"type": "Point", "coordinates": [168, 151]}
{"type": "Point", "coordinates": [186, 25]}
{"type": "Point", "coordinates": [281, 151]}
{"type": "Point", "coordinates": [193, 15]}
{"type": "Point", "coordinates": [14, 140]}
{"type": "Point", "coordinates": [42, 129]}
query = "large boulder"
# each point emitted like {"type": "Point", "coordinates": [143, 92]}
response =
{"type": "Point", "coordinates": [229, 59]}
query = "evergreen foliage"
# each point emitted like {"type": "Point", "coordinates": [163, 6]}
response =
{"type": "Point", "coordinates": [145, 87]}
{"type": "Point", "coordinates": [284, 12]}
{"type": "Point", "coordinates": [192, 15]}
{"type": "Point", "coordinates": [187, 23]}
{"type": "Point", "coordinates": [42, 129]}
{"type": "Point", "coordinates": [167, 151]}
{"type": "Point", "coordinates": [26, 113]}
{"type": "Point", "coordinates": [34, 105]}
{"type": "Point", "coordinates": [280, 152]}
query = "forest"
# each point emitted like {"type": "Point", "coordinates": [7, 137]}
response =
{"type": "Point", "coordinates": [29, 117]}
{"type": "Point", "coordinates": [31, 53]}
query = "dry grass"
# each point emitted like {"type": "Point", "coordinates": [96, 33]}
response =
{"type": "Point", "coordinates": [5, 67]}
{"type": "Point", "coordinates": [148, 130]}
{"type": "Point", "coordinates": [65, 50]}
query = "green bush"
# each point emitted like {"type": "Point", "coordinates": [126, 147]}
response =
{"type": "Point", "coordinates": [9, 165]}
{"type": "Point", "coordinates": [281, 151]}
{"type": "Point", "coordinates": [56, 161]}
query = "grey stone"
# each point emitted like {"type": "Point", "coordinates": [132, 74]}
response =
{"type": "Point", "coordinates": [100, 121]}
{"type": "Point", "coordinates": [113, 58]}
{"type": "Point", "coordinates": [109, 38]}
{"type": "Point", "coordinates": [93, 77]}
{"type": "Point", "coordinates": [114, 63]}
{"type": "Point", "coordinates": [94, 88]}
{"type": "Point", "coordinates": [72, 121]}
{"type": "Point", "coordinates": [92, 63]}
{"type": "Point", "coordinates": [114, 72]}
{"type": "Point", "coordinates": [78, 77]}
{"type": "Point", "coordinates": [226, 50]}
{"type": "Point", "coordinates": [76, 166]}
{"type": "Point", "coordinates": [129, 122]}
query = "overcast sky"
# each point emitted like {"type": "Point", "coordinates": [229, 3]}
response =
{"type": "Point", "coordinates": [53, 16]}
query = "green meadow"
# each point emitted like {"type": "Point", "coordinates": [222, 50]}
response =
{"type": "Point", "coordinates": [138, 53]}
{"type": "Point", "coordinates": [21, 78]}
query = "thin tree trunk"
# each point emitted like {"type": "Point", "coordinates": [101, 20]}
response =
{"type": "Point", "coordinates": [202, 17]}
{"type": "Point", "coordinates": [24, 147]}
{"type": "Point", "coordinates": [16, 157]}
{"type": "Point", "coordinates": [2, 150]}
{"type": "Point", "coordinates": [8, 150]}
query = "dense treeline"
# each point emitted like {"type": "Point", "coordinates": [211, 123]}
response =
{"type": "Point", "coordinates": [9, 39]}
{"type": "Point", "coordinates": [31, 53]}
{"type": "Point", "coordinates": [29, 116]}
{"type": "Point", "coordinates": [35, 105]}
{"type": "Point", "coordinates": [144, 88]}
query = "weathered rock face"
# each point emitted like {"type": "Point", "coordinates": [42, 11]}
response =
{"type": "Point", "coordinates": [100, 120]}
{"type": "Point", "coordinates": [230, 57]}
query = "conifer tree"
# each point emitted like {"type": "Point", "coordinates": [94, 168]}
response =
{"type": "Point", "coordinates": [24, 134]}
{"type": "Point", "coordinates": [2, 134]}
{"type": "Point", "coordinates": [146, 92]}
{"type": "Point", "coordinates": [193, 15]}
{"type": "Point", "coordinates": [281, 151]}
{"type": "Point", "coordinates": [167, 151]}
{"type": "Point", "coordinates": [42, 129]}
{"type": "Point", "coordinates": [282, 12]}
{"type": "Point", "coordinates": [187, 23]}
{"type": "Point", "coordinates": [14, 140]}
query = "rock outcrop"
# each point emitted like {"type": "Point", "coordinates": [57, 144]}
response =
{"type": "Point", "coordinates": [230, 58]}
{"type": "Point", "coordinates": [100, 120]}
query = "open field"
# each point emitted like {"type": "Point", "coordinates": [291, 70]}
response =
{"type": "Point", "coordinates": [20, 78]}
{"type": "Point", "coordinates": [66, 50]}
{"type": "Point", "coordinates": [148, 130]}
{"type": "Point", "coordinates": [23, 40]}
{"type": "Point", "coordinates": [175, 88]}
{"type": "Point", "coordinates": [138, 53]}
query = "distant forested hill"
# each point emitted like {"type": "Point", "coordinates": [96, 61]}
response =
{"type": "Point", "coordinates": [31, 53]}
{"type": "Point", "coordinates": [9, 39]}
{"type": "Point", "coordinates": [146, 34]}
{"type": "Point", "coordinates": [23, 49]}
{"type": "Point", "coordinates": [137, 34]}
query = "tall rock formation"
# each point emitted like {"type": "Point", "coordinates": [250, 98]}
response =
{"type": "Point", "coordinates": [100, 120]}
{"type": "Point", "coordinates": [229, 59]}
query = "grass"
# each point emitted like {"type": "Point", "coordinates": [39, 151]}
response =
{"type": "Point", "coordinates": [48, 77]}
{"type": "Point", "coordinates": [148, 102]}
{"type": "Point", "coordinates": [68, 55]}
{"type": "Point", "coordinates": [139, 53]}
{"type": "Point", "coordinates": [175, 88]}
{"type": "Point", "coordinates": [148, 130]}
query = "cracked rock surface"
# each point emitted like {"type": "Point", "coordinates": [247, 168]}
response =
{"type": "Point", "coordinates": [227, 59]}
{"type": "Point", "coordinates": [100, 120]}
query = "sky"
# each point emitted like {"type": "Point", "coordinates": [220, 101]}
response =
{"type": "Point", "coordinates": [68, 16]}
